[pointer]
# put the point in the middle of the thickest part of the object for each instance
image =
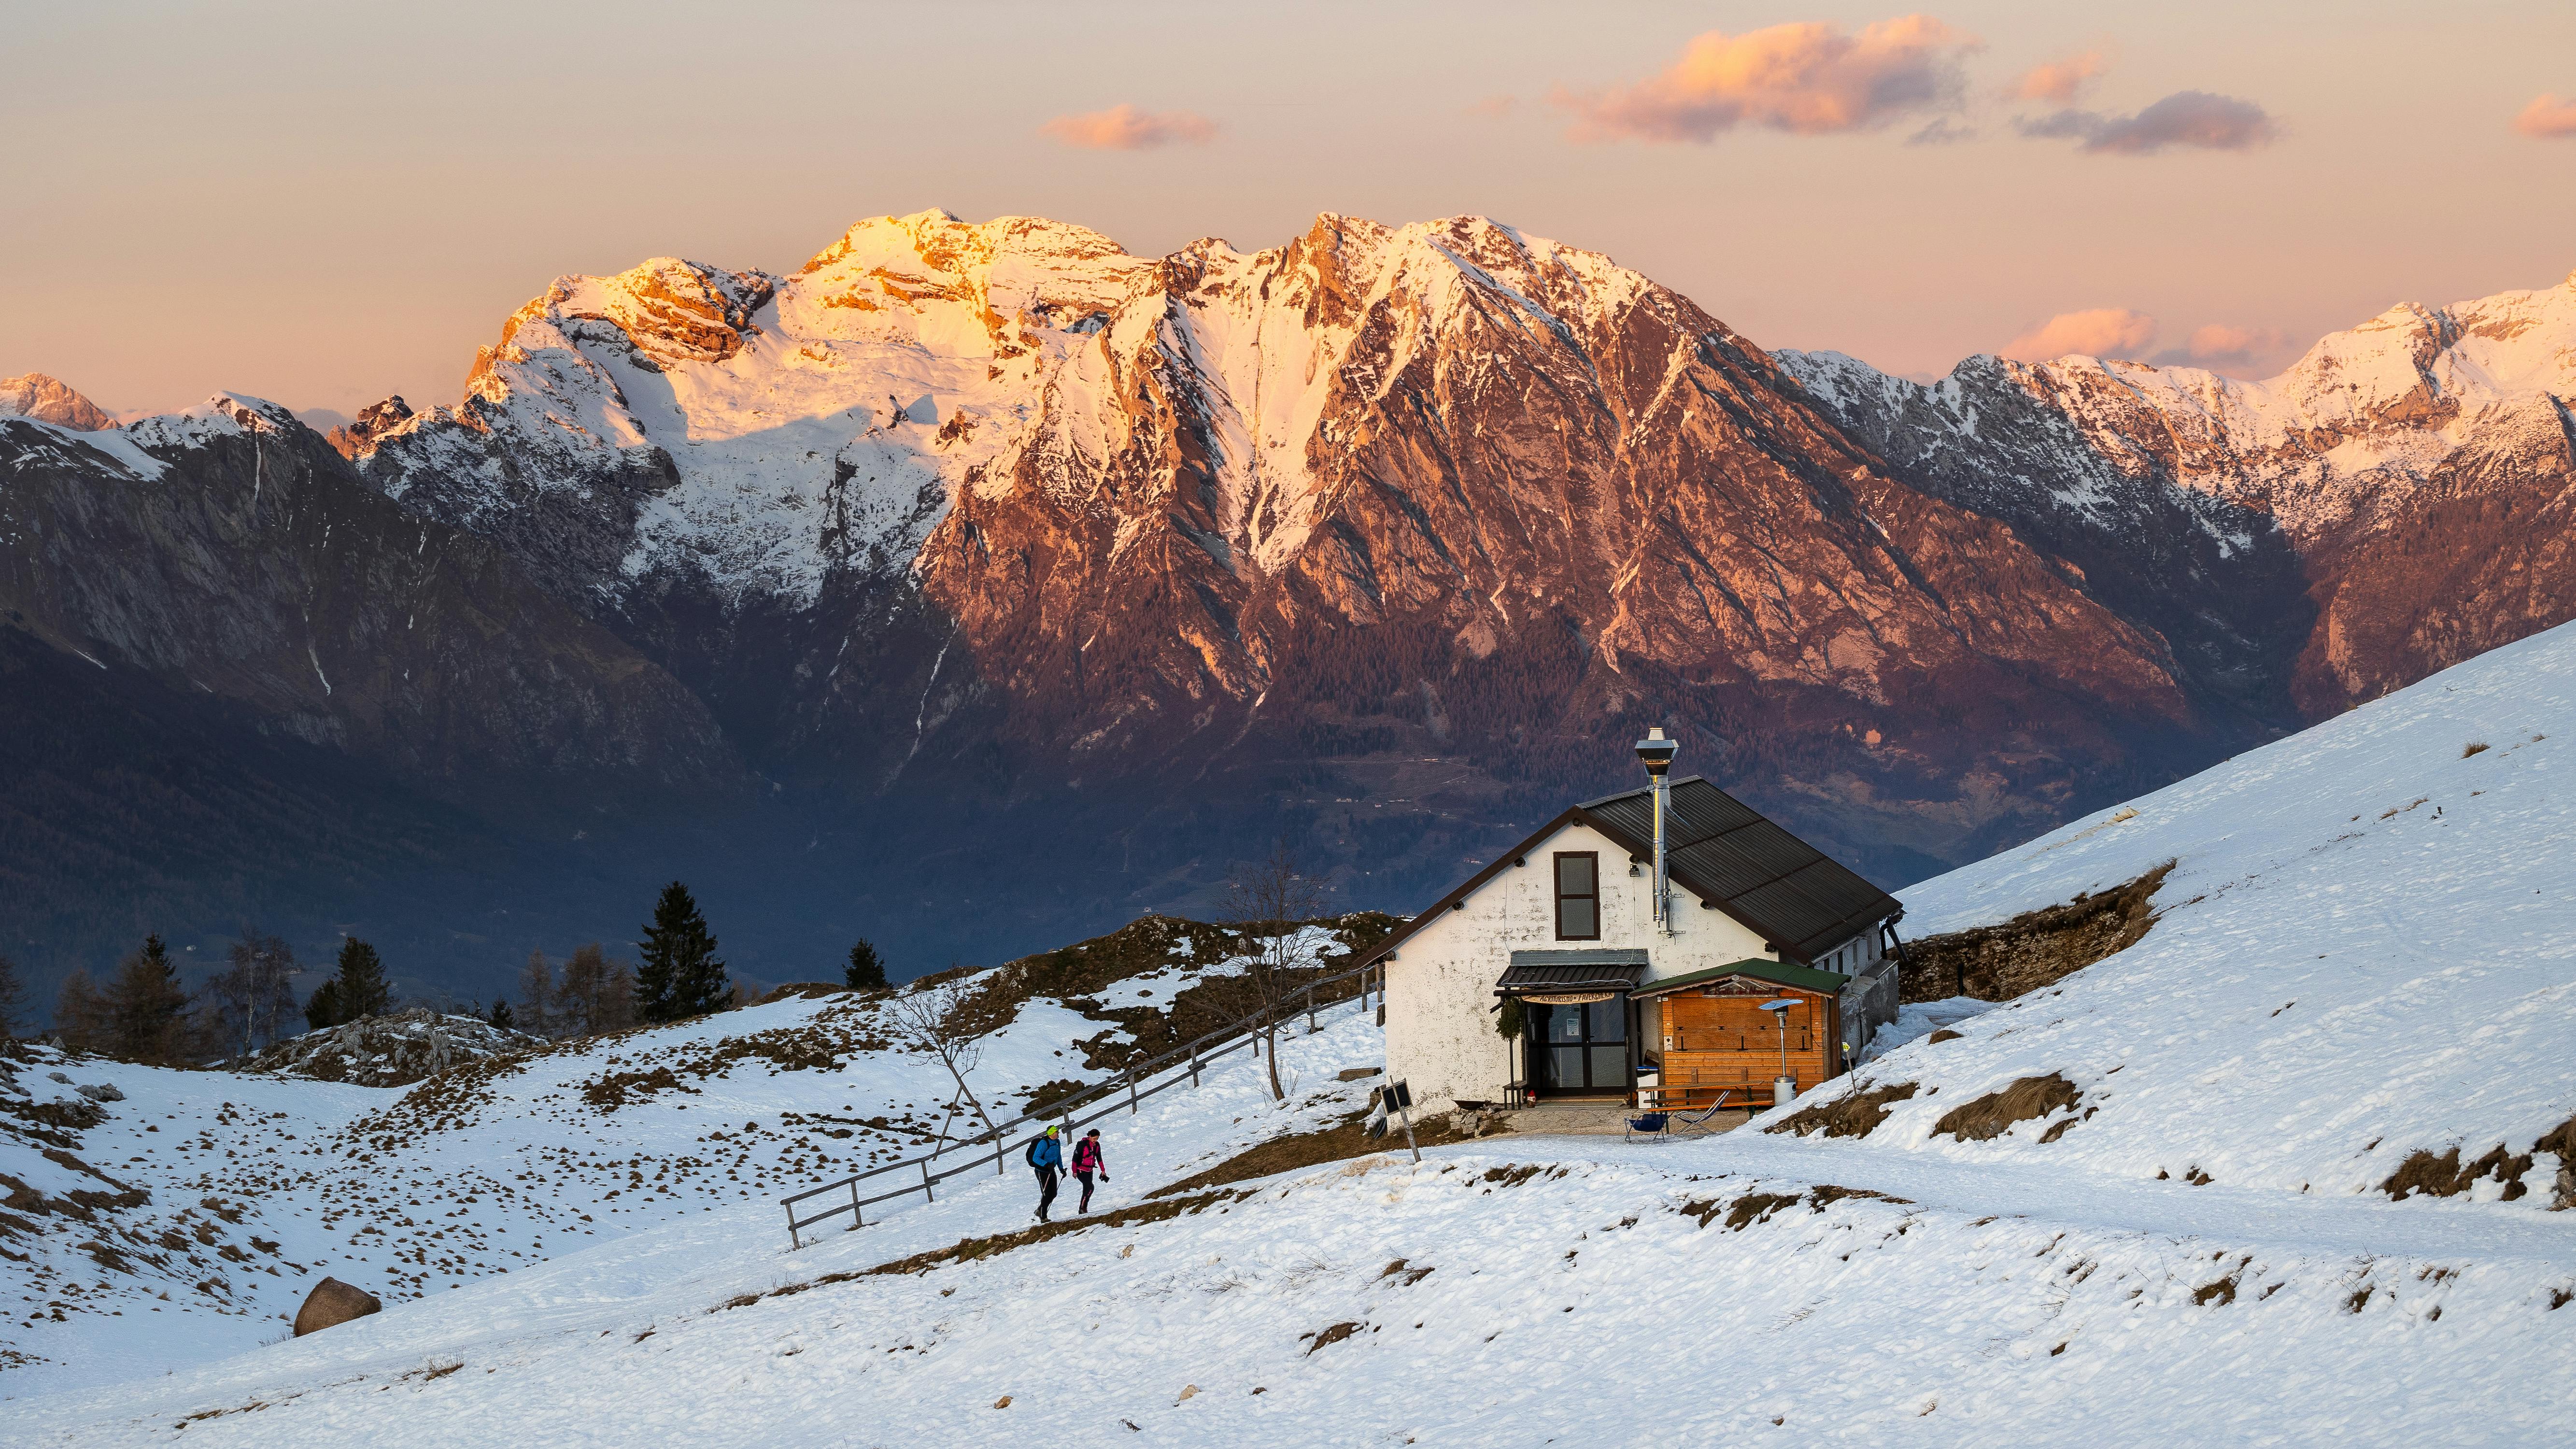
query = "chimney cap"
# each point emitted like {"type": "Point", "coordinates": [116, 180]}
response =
{"type": "Point", "coordinates": [1656, 751]}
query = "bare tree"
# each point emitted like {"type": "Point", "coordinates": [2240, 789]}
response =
{"type": "Point", "coordinates": [926, 1020]}
{"type": "Point", "coordinates": [80, 1014]}
{"type": "Point", "coordinates": [536, 1013]}
{"type": "Point", "coordinates": [595, 995]}
{"type": "Point", "coordinates": [1266, 902]}
{"type": "Point", "coordinates": [255, 992]}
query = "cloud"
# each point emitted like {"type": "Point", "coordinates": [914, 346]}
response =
{"type": "Point", "coordinates": [1125, 128]}
{"type": "Point", "coordinates": [2185, 118]}
{"type": "Point", "coordinates": [1808, 78]}
{"type": "Point", "coordinates": [2057, 81]}
{"type": "Point", "coordinates": [1941, 131]}
{"type": "Point", "coordinates": [2547, 118]}
{"type": "Point", "coordinates": [2099, 332]}
{"type": "Point", "coordinates": [323, 419]}
{"type": "Point", "coordinates": [2222, 348]}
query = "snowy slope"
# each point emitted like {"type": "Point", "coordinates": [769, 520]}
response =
{"type": "Point", "coordinates": [2366, 948]}
{"type": "Point", "coordinates": [2359, 954]}
{"type": "Point", "coordinates": [257, 1186]}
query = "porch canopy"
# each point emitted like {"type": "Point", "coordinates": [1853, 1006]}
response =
{"type": "Point", "coordinates": [1778, 973]}
{"type": "Point", "coordinates": [1581, 974]}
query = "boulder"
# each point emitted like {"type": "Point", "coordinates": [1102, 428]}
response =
{"type": "Point", "coordinates": [333, 1301]}
{"type": "Point", "coordinates": [101, 1092]}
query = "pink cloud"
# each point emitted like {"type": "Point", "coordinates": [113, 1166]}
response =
{"type": "Point", "coordinates": [2057, 81]}
{"type": "Point", "coordinates": [2547, 117]}
{"type": "Point", "coordinates": [2185, 118]}
{"type": "Point", "coordinates": [2223, 348]}
{"type": "Point", "coordinates": [2098, 332]}
{"type": "Point", "coordinates": [1125, 128]}
{"type": "Point", "coordinates": [1808, 78]}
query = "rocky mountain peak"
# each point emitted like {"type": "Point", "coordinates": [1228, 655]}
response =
{"type": "Point", "coordinates": [49, 400]}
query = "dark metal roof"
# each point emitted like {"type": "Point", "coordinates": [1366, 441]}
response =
{"type": "Point", "coordinates": [1778, 973]}
{"type": "Point", "coordinates": [1720, 849]}
{"type": "Point", "coordinates": [1611, 969]}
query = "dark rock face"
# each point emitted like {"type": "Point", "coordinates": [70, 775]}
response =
{"type": "Point", "coordinates": [331, 1303]}
{"type": "Point", "coordinates": [242, 560]}
{"type": "Point", "coordinates": [239, 684]}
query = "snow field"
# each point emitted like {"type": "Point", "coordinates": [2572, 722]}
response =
{"type": "Point", "coordinates": [2367, 947]}
{"type": "Point", "coordinates": [1577, 1292]}
{"type": "Point", "coordinates": [414, 1196]}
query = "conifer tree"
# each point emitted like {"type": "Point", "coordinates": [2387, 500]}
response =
{"type": "Point", "coordinates": [357, 988]}
{"type": "Point", "coordinates": [147, 1007]}
{"type": "Point", "coordinates": [866, 970]}
{"type": "Point", "coordinates": [679, 975]}
{"type": "Point", "coordinates": [500, 1016]}
{"type": "Point", "coordinates": [13, 998]}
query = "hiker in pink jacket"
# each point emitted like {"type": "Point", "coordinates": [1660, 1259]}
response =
{"type": "Point", "coordinates": [1086, 1161]}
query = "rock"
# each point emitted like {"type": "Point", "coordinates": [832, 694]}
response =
{"type": "Point", "coordinates": [1187, 1394]}
{"type": "Point", "coordinates": [331, 1302]}
{"type": "Point", "coordinates": [58, 1077]}
{"type": "Point", "coordinates": [1476, 1122]}
{"type": "Point", "coordinates": [1358, 1074]}
{"type": "Point", "coordinates": [101, 1092]}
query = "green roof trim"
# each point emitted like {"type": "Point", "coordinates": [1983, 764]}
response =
{"type": "Point", "coordinates": [1779, 973]}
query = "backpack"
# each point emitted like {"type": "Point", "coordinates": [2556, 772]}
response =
{"type": "Point", "coordinates": [1032, 1153]}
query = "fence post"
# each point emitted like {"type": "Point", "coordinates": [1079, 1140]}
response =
{"type": "Point", "coordinates": [1310, 1011]}
{"type": "Point", "coordinates": [1194, 1065]}
{"type": "Point", "coordinates": [1131, 1090]}
{"type": "Point", "coordinates": [792, 1242]}
{"type": "Point", "coordinates": [926, 1194]}
{"type": "Point", "coordinates": [1001, 1155]}
{"type": "Point", "coordinates": [856, 1221]}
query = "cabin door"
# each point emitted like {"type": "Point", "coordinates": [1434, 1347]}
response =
{"type": "Point", "coordinates": [1581, 1048]}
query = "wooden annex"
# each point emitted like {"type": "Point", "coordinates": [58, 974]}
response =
{"type": "Point", "coordinates": [1707, 1036]}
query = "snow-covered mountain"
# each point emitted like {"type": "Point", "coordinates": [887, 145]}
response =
{"type": "Point", "coordinates": [2418, 467]}
{"type": "Point", "coordinates": [964, 539]}
{"type": "Point", "coordinates": [2311, 1186]}
{"type": "Point", "coordinates": [953, 492]}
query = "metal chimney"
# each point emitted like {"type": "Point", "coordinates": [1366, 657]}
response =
{"type": "Point", "coordinates": [1657, 753]}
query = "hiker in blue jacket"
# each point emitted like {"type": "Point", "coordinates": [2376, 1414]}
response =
{"type": "Point", "coordinates": [1046, 1155]}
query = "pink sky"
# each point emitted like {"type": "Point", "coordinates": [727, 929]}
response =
{"type": "Point", "coordinates": [324, 204]}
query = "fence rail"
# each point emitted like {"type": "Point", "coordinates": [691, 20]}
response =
{"type": "Point", "coordinates": [1183, 1063]}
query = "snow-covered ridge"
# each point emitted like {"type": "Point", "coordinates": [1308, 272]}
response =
{"type": "Point", "coordinates": [2375, 408]}
{"type": "Point", "coordinates": [786, 427]}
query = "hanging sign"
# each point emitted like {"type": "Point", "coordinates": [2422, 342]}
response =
{"type": "Point", "coordinates": [1569, 998]}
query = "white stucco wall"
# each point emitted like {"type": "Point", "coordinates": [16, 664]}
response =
{"type": "Point", "coordinates": [1440, 1034]}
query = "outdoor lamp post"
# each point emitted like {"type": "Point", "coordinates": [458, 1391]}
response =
{"type": "Point", "coordinates": [1784, 1087]}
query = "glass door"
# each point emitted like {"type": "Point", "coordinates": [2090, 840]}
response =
{"type": "Point", "coordinates": [1583, 1048]}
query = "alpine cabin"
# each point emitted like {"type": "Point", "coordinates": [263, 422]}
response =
{"type": "Point", "coordinates": [1667, 946]}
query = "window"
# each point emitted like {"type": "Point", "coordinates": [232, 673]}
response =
{"type": "Point", "coordinates": [1578, 895]}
